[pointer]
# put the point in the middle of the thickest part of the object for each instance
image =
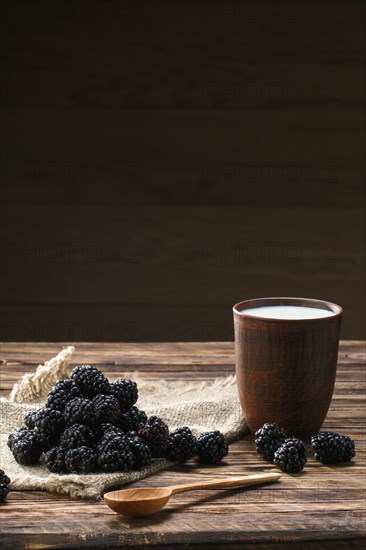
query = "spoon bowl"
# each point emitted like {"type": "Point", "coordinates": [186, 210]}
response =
{"type": "Point", "coordinates": [143, 501]}
{"type": "Point", "coordinates": [138, 502]}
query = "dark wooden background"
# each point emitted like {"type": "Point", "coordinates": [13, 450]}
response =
{"type": "Point", "coordinates": [164, 160]}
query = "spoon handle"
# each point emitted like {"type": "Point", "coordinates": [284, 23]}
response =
{"type": "Point", "coordinates": [227, 482]}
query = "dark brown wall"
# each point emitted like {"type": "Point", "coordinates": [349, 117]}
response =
{"type": "Point", "coordinates": [164, 160]}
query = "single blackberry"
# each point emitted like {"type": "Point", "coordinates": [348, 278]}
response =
{"type": "Point", "coordinates": [77, 435]}
{"type": "Point", "coordinates": [155, 432]}
{"type": "Point", "coordinates": [212, 447]}
{"type": "Point", "coordinates": [25, 446]}
{"type": "Point", "coordinates": [55, 460]}
{"type": "Point", "coordinates": [30, 419]}
{"type": "Point", "coordinates": [4, 489]}
{"type": "Point", "coordinates": [131, 434]}
{"type": "Point", "coordinates": [291, 456]}
{"type": "Point", "coordinates": [110, 433]}
{"type": "Point", "coordinates": [82, 460]}
{"type": "Point", "coordinates": [90, 380]}
{"type": "Point", "coordinates": [181, 445]}
{"type": "Point", "coordinates": [126, 392]}
{"type": "Point", "coordinates": [62, 392]}
{"type": "Point", "coordinates": [141, 451]}
{"type": "Point", "coordinates": [115, 453]}
{"type": "Point", "coordinates": [106, 408]}
{"type": "Point", "coordinates": [330, 447]}
{"type": "Point", "coordinates": [48, 425]}
{"type": "Point", "coordinates": [137, 416]}
{"type": "Point", "coordinates": [125, 422]}
{"type": "Point", "coordinates": [268, 439]}
{"type": "Point", "coordinates": [4, 485]}
{"type": "Point", "coordinates": [80, 411]}
{"type": "Point", "coordinates": [132, 419]}
{"type": "Point", "coordinates": [4, 478]}
{"type": "Point", "coordinates": [17, 434]}
{"type": "Point", "coordinates": [105, 428]}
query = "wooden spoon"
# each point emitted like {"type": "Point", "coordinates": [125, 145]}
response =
{"type": "Point", "coordinates": [143, 501]}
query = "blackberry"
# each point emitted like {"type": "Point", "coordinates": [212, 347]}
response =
{"type": "Point", "coordinates": [82, 460]}
{"type": "Point", "coordinates": [137, 416]}
{"type": "Point", "coordinates": [126, 392]}
{"type": "Point", "coordinates": [106, 408]}
{"type": "Point", "coordinates": [115, 453]}
{"type": "Point", "coordinates": [330, 447]}
{"type": "Point", "coordinates": [125, 422]}
{"type": "Point", "coordinates": [77, 435]}
{"type": "Point", "coordinates": [4, 478]}
{"type": "Point", "coordinates": [55, 460]}
{"type": "Point", "coordinates": [106, 428]}
{"type": "Point", "coordinates": [30, 419]}
{"type": "Point", "coordinates": [90, 380]}
{"type": "Point", "coordinates": [268, 439]}
{"type": "Point", "coordinates": [4, 485]}
{"type": "Point", "coordinates": [181, 445]}
{"type": "Point", "coordinates": [291, 456]}
{"type": "Point", "coordinates": [48, 425]}
{"type": "Point", "coordinates": [132, 434]}
{"type": "Point", "coordinates": [80, 411]}
{"type": "Point", "coordinates": [62, 392]}
{"type": "Point", "coordinates": [25, 446]}
{"type": "Point", "coordinates": [110, 433]}
{"type": "Point", "coordinates": [212, 447]}
{"type": "Point", "coordinates": [141, 451]}
{"type": "Point", "coordinates": [155, 432]}
{"type": "Point", "coordinates": [4, 489]}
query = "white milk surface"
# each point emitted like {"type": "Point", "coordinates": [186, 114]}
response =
{"type": "Point", "coordinates": [288, 312]}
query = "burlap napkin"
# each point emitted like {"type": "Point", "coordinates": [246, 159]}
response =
{"type": "Point", "coordinates": [202, 406]}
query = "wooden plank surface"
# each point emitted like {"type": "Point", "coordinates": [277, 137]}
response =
{"type": "Point", "coordinates": [157, 127]}
{"type": "Point", "coordinates": [322, 507]}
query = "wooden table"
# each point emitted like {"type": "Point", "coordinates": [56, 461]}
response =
{"type": "Point", "coordinates": [322, 507]}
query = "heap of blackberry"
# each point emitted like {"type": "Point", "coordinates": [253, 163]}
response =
{"type": "Point", "coordinates": [89, 425]}
{"type": "Point", "coordinates": [90, 380]}
{"type": "Point", "coordinates": [291, 456]}
{"type": "Point", "coordinates": [4, 485]}
{"type": "Point", "coordinates": [181, 445]}
{"type": "Point", "coordinates": [330, 447]}
{"type": "Point", "coordinates": [155, 432]}
{"type": "Point", "coordinates": [62, 392]}
{"type": "Point", "coordinates": [268, 439]}
{"type": "Point", "coordinates": [80, 410]}
{"type": "Point", "coordinates": [77, 435]}
{"type": "Point", "coordinates": [115, 453]}
{"type": "Point", "coordinates": [25, 446]}
{"type": "Point", "coordinates": [82, 460]}
{"type": "Point", "coordinates": [212, 447]}
{"type": "Point", "coordinates": [55, 460]}
{"type": "Point", "coordinates": [48, 425]}
{"type": "Point", "coordinates": [140, 449]}
{"type": "Point", "coordinates": [126, 392]}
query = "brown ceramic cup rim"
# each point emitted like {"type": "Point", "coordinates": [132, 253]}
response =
{"type": "Point", "coordinates": [240, 307]}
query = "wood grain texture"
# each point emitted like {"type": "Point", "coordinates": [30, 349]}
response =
{"type": "Point", "coordinates": [162, 128]}
{"type": "Point", "coordinates": [324, 507]}
{"type": "Point", "coordinates": [104, 281]}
